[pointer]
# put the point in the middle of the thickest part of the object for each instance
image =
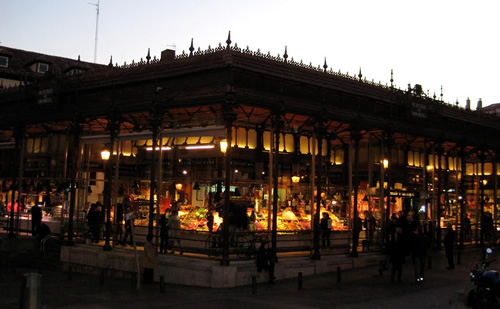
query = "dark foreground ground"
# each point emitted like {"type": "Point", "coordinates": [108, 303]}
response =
{"type": "Point", "coordinates": [358, 288]}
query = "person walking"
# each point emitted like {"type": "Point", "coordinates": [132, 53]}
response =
{"type": "Point", "coordinates": [449, 243]}
{"type": "Point", "coordinates": [419, 244]}
{"type": "Point", "coordinates": [128, 232]}
{"type": "Point", "coordinates": [397, 255]}
{"type": "Point", "coordinates": [149, 260]}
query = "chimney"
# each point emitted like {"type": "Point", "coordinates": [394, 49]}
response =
{"type": "Point", "coordinates": [167, 54]}
{"type": "Point", "coordinates": [467, 104]}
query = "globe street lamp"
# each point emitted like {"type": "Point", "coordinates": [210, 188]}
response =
{"type": "Point", "coordinates": [105, 156]}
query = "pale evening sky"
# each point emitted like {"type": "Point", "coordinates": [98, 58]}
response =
{"type": "Point", "coordinates": [448, 43]}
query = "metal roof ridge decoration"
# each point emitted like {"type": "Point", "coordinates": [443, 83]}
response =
{"type": "Point", "coordinates": [247, 51]}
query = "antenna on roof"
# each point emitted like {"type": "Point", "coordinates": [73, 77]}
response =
{"type": "Point", "coordinates": [96, 29]}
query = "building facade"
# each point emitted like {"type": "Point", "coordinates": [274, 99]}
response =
{"type": "Point", "coordinates": [301, 140]}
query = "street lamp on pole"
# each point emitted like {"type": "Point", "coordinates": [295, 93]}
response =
{"type": "Point", "coordinates": [105, 156]}
{"type": "Point", "coordinates": [225, 232]}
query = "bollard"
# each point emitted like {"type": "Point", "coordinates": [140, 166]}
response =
{"type": "Point", "coordinates": [70, 273]}
{"type": "Point", "coordinates": [300, 280]}
{"type": "Point", "coordinates": [254, 285]}
{"type": "Point", "coordinates": [338, 274]}
{"type": "Point", "coordinates": [30, 296]}
{"type": "Point", "coordinates": [459, 257]}
{"type": "Point", "coordinates": [162, 284]}
{"type": "Point", "coordinates": [429, 262]}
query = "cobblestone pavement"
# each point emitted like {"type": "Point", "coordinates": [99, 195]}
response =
{"type": "Point", "coordinates": [358, 288]}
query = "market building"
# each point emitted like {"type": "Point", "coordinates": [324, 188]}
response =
{"type": "Point", "coordinates": [265, 140]}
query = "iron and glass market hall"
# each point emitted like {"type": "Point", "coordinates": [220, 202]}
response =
{"type": "Point", "coordinates": [264, 142]}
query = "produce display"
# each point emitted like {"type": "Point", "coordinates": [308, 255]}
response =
{"type": "Point", "coordinates": [194, 218]}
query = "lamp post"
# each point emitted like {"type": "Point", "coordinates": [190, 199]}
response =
{"type": "Point", "coordinates": [385, 193]}
{"type": "Point", "coordinates": [356, 136]}
{"type": "Point", "coordinates": [295, 181]}
{"type": "Point", "coordinates": [225, 231]}
{"type": "Point", "coordinates": [105, 156]}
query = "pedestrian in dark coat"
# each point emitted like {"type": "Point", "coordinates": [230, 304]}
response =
{"type": "Point", "coordinates": [326, 229]}
{"type": "Point", "coordinates": [263, 257]}
{"type": "Point", "coordinates": [163, 233]}
{"type": "Point", "coordinates": [419, 246]}
{"type": "Point", "coordinates": [397, 255]}
{"type": "Point", "coordinates": [36, 219]}
{"type": "Point", "coordinates": [93, 223]}
{"type": "Point", "coordinates": [449, 242]}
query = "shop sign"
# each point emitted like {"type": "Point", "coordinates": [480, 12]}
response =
{"type": "Point", "coordinates": [410, 194]}
{"type": "Point", "coordinates": [418, 109]}
{"type": "Point", "coordinates": [45, 96]}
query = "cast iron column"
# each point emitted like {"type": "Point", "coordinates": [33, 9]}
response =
{"type": "Point", "coordinates": [320, 131]}
{"type": "Point", "coordinates": [155, 127]}
{"type": "Point", "coordinates": [19, 136]}
{"type": "Point", "coordinates": [229, 117]}
{"type": "Point", "coordinates": [277, 126]}
{"type": "Point", "coordinates": [482, 158]}
{"type": "Point", "coordinates": [387, 192]}
{"type": "Point", "coordinates": [356, 228]}
{"type": "Point", "coordinates": [438, 197]}
{"type": "Point", "coordinates": [76, 131]}
{"type": "Point", "coordinates": [113, 127]}
{"type": "Point", "coordinates": [462, 193]}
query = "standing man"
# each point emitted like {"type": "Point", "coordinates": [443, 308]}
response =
{"type": "Point", "coordinates": [36, 219]}
{"type": "Point", "coordinates": [326, 228]}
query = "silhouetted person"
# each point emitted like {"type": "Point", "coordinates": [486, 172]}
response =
{"type": "Point", "coordinates": [119, 223]}
{"type": "Point", "coordinates": [449, 242]}
{"type": "Point", "coordinates": [263, 257]}
{"type": "Point", "coordinates": [467, 227]}
{"type": "Point", "coordinates": [370, 225]}
{"type": "Point", "coordinates": [397, 255]}
{"type": "Point", "coordinates": [128, 232]}
{"type": "Point", "coordinates": [163, 233]}
{"type": "Point", "coordinates": [93, 223]}
{"type": "Point", "coordinates": [487, 225]}
{"type": "Point", "coordinates": [36, 219]}
{"type": "Point", "coordinates": [210, 220]}
{"type": "Point", "coordinates": [326, 229]}
{"type": "Point", "coordinates": [419, 244]}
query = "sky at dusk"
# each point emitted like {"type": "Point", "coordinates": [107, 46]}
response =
{"type": "Point", "coordinates": [452, 44]}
